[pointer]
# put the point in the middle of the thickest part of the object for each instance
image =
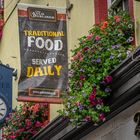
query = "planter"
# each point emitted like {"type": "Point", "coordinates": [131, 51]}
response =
{"type": "Point", "coordinates": [126, 89]}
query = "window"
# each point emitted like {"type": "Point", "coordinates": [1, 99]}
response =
{"type": "Point", "coordinates": [121, 4]}
{"type": "Point", "coordinates": [126, 5]}
{"type": "Point", "coordinates": [101, 6]}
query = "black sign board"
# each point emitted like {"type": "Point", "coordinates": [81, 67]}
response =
{"type": "Point", "coordinates": [43, 52]}
{"type": "Point", "coordinates": [42, 14]}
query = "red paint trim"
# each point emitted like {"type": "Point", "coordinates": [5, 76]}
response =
{"type": "Point", "coordinates": [40, 100]}
{"type": "Point", "coordinates": [131, 13]}
{"type": "Point", "coordinates": [23, 13]}
{"type": "Point", "coordinates": [100, 7]}
{"type": "Point", "coordinates": [131, 8]}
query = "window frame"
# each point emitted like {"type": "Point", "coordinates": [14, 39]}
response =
{"type": "Point", "coordinates": [103, 5]}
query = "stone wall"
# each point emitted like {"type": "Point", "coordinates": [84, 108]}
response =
{"type": "Point", "coordinates": [121, 127]}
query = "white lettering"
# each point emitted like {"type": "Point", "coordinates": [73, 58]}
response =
{"type": "Point", "coordinates": [30, 41]}
{"type": "Point", "coordinates": [58, 45]}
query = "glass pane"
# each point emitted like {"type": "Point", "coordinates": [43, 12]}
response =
{"type": "Point", "coordinates": [126, 5]}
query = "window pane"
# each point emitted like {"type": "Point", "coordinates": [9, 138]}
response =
{"type": "Point", "coordinates": [126, 5]}
{"type": "Point", "coordinates": [120, 5]}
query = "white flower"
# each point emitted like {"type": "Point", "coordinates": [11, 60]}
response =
{"type": "Point", "coordinates": [98, 106]}
{"type": "Point", "coordinates": [128, 53]}
{"type": "Point", "coordinates": [130, 26]}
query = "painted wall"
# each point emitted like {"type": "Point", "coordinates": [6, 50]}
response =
{"type": "Point", "coordinates": [81, 20]}
{"type": "Point", "coordinates": [137, 21]}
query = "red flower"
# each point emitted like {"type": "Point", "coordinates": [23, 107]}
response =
{"type": "Point", "coordinates": [105, 24]}
{"type": "Point", "coordinates": [45, 123]}
{"type": "Point", "coordinates": [45, 113]}
{"type": "Point", "coordinates": [92, 97]}
{"type": "Point", "coordinates": [35, 108]}
{"type": "Point", "coordinates": [116, 17]}
{"type": "Point", "coordinates": [85, 49]}
{"type": "Point", "coordinates": [82, 77]}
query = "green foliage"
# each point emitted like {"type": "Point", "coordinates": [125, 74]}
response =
{"type": "Point", "coordinates": [26, 121]}
{"type": "Point", "coordinates": [106, 46]}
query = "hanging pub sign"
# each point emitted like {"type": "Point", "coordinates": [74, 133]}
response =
{"type": "Point", "coordinates": [43, 53]}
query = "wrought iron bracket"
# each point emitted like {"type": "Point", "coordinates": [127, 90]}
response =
{"type": "Point", "coordinates": [137, 121]}
{"type": "Point", "coordinates": [69, 7]}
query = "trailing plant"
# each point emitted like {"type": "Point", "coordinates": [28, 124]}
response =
{"type": "Point", "coordinates": [98, 53]}
{"type": "Point", "coordinates": [26, 121]}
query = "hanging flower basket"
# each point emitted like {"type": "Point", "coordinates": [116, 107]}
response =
{"type": "Point", "coordinates": [98, 53]}
{"type": "Point", "coordinates": [26, 121]}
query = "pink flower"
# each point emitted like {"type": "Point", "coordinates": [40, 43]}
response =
{"type": "Point", "coordinates": [92, 99]}
{"type": "Point", "coordinates": [88, 119]}
{"type": "Point", "coordinates": [11, 137]}
{"type": "Point", "coordinates": [97, 38]}
{"type": "Point", "coordinates": [99, 101]}
{"type": "Point", "coordinates": [74, 57]}
{"type": "Point", "coordinates": [28, 122]}
{"type": "Point", "coordinates": [81, 59]}
{"type": "Point", "coordinates": [108, 79]}
{"type": "Point", "coordinates": [20, 130]}
{"type": "Point", "coordinates": [34, 132]}
{"type": "Point", "coordinates": [102, 117]}
{"type": "Point", "coordinates": [78, 103]}
{"type": "Point", "coordinates": [78, 53]}
{"type": "Point", "coordinates": [94, 91]}
{"type": "Point", "coordinates": [30, 130]}
{"type": "Point", "coordinates": [7, 118]}
{"type": "Point", "coordinates": [38, 124]}
{"type": "Point", "coordinates": [89, 37]}
{"type": "Point", "coordinates": [117, 18]}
